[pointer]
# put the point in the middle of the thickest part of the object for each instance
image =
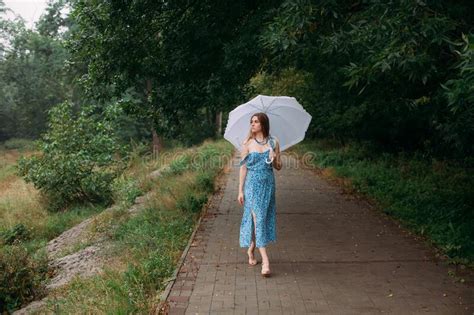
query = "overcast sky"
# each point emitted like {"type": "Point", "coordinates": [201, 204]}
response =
{"type": "Point", "coordinates": [30, 10]}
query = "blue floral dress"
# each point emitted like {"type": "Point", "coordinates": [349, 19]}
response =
{"type": "Point", "coordinates": [259, 196]}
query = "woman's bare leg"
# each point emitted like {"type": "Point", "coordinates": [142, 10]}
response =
{"type": "Point", "coordinates": [251, 249]}
{"type": "Point", "coordinates": [265, 261]}
{"type": "Point", "coordinates": [263, 250]}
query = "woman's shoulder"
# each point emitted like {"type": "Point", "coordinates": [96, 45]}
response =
{"type": "Point", "coordinates": [244, 153]}
{"type": "Point", "coordinates": [245, 146]}
{"type": "Point", "coordinates": [247, 142]}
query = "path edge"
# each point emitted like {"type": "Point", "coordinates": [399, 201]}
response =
{"type": "Point", "coordinates": [163, 307]}
{"type": "Point", "coordinates": [438, 256]}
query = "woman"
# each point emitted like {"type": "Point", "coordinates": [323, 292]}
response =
{"type": "Point", "coordinates": [260, 153]}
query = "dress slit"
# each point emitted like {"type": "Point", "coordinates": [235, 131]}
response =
{"type": "Point", "coordinates": [254, 226]}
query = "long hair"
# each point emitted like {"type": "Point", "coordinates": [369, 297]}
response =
{"type": "Point", "coordinates": [264, 123]}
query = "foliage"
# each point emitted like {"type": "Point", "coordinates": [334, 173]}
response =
{"type": "Point", "coordinates": [192, 203]}
{"type": "Point", "coordinates": [125, 189]}
{"type": "Point", "coordinates": [205, 181]}
{"type": "Point", "coordinates": [179, 164]}
{"type": "Point", "coordinates": [34, 76]}
{"type": "Point", "coordinates": [457, 127]}
{"type": "Point", "coordinates": [377, 69]}
{"type": "Point", "coordinates": [19, 232]}
{"type": "Point", "coordinates": [187, 59]}
{"type": "Point", "coordinates": [78, 161]}
{"type": "Point", "coordinates": [21, 276]}
{"type": "Point", "coordinates": [147, 245]}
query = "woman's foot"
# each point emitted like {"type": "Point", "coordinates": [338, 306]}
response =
{"type": "Point", "coordinates": [252, 260]}
{"type": "Point", "coordinates": [266, 269]}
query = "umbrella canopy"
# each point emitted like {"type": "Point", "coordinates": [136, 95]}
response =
{"type": "Point", "coordinates": [288, 120]}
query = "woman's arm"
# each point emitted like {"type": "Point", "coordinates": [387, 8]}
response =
{"type": "Point", "coordinates": [276, 159]}
{"type": "Point", "coordinates": [243, 168]}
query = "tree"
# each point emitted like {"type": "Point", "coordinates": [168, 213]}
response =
{"type": "Point", "coordinates": [78, 160]}
{"type": "Point", "coordinates": [33, 76]}
{"type": "Point", "coordinates": [377, 67]}
{"type": "Point", "coordinates": [187, 59]}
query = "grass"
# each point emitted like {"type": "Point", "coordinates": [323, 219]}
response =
{"type": "Point", "coordinates": [433, 198]}
{"type": "Point", "coordinates": [22, 210]}
{"type": "Point", "coordinates": [146, 247]}
{"type": "Point", "coordinates": [21, 203]}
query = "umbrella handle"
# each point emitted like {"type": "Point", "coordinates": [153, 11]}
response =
{"type": "Point", "coordinates": [272, 145]}
{"type": "Point", "coordinates": [271, 160]}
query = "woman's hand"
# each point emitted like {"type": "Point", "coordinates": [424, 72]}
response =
{"type": "Point", "coordinates": [275, 156]}
{"type": "Point", "coordinates": [240, 198]}
{"type": "Point", "coordinates": [272, 155]}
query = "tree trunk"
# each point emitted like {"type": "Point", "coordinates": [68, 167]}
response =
{"type": "Point", "coordinates": [219, 123]}
{"type": "Point", "coordinates": [157, 144]}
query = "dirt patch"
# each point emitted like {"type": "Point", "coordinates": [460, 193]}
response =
{"type": "Point", "coordinates": [83, 263]}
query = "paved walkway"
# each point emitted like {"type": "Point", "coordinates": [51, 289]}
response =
{"type": "Point", "coordinates": [334, 255]}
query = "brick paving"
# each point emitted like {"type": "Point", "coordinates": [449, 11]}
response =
{"type": "Point", "coordinates": [335, 254]}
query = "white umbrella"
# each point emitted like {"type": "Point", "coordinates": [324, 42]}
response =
{"type": "Point", "coordinates": [288, 120]}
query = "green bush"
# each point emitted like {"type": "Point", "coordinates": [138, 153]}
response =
{"type": "Point", "coordinates": [192, 202]}
{"type": "Point", "coordinates": [78, 157]}
{"type": "Point", "coordinates": [179, 165]}
{"type": "Point", "coordinates": [458, 128]}
{"type": "Point", "coordinates": [205, 181]}
{"type": "Point", "coordinates": [21, 276]}
{"type": "Point", "coordinates": [19, 232]}
{"type": "Point", "coordinates": [376, 74]}
{"type": "Point", "coordinates": [125, 189]}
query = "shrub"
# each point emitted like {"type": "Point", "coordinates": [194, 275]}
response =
{"type": "Point", "coordinates": [125, 189]}
{"type": "Point", "coordinates": [192, 202]}
{"type": "Point", "coordinates": [205, 181]}
{"type": "Point", "coordinates": [179, 165]}
{"type": "Point", "coordinates": [77, 161]}
{"type": "Point", "coordinates": [21, 276]}
{"type": "Point", "coordinates": [19, 232]}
